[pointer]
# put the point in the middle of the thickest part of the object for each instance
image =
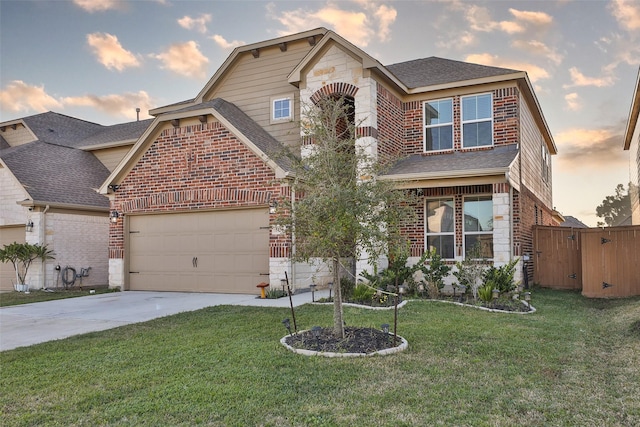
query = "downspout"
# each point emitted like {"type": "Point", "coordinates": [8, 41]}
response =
{"type": "Point", "coordinates": [293, 242]}
{"type": "Point", "coordinates": [42, 237]}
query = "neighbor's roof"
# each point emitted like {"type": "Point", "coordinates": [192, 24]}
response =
{"type": "Point", "coordinates": [457, 163]}
{"type": "Point", "coordinates": [571, 221]}
{"type": "Point", "coordinates": [66, 176]}
{"type": "Point", "coordinates": [436, 71]}
{"type": "Point", "coordinates": [59, 129]}
{"type": "Point", "coordinates": [56, 168]}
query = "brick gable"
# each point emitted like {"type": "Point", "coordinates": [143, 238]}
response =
{"type": "Point", "coordinates": [193, 167]}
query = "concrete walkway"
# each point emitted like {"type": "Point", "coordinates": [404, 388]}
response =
{"type": "Point", "coordinates": [28, 324]}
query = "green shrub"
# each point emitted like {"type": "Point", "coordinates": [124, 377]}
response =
{"type": "Point", "coordinates": [363, 293]}
{"type": "Point", "coordinates": [435, 270]}
{"type": "Point", "coordinates": [347, 287]}
{"type": "Point", "coordinates": [502, 277]}
{"type": "Point", "coordinates": [485, 293]}
{"type": "Point", "coordinates": [469, 271]}
{"type": "Point", "coordinates": [275, 293]}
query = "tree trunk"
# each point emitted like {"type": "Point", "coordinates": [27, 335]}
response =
{"type": "Point", "coordinates": [338, 324]}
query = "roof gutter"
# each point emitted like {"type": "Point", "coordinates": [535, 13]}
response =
{"type": "Point", "coordinates": [445, 174]}
{"type": "Point", "coordinates": [44, 204]}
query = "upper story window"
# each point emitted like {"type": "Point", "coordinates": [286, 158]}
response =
{"type": "Point", "coordinates": [477, 120]}
{"type": "Point", "coordinates": [546, 163]}
{"type": "Point", "coordinates": [281, 108]}
{"type": "Point", "coordinates": [438, 125]}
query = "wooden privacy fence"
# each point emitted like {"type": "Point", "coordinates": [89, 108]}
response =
{"type": "Point", "coordinates": [603, 263]}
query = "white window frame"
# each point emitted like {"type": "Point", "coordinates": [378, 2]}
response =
{"type": "Point", "coordinates": [545, 163]}
{"type": "Point", "coordinates": [447, 233]}
{"type": "Point", "coordinates": [464, 122]}
{"type": "Point", "coordinates": [465, 233]}
{"type": "Point", "coordinates": [273, 100]}
{"type": "Point", "coordinates": [426, 126]}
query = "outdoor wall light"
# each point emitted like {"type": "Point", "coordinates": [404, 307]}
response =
{"type": "Point", "coordinates": [29, 226]}
{"type": "Point", "coordinates": [273, 206]}
{"type": "Point", "coordinates": [287, 325]}
{"type": "Point", "coordinates": [113, 216]}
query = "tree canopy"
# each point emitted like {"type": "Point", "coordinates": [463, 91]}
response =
{"type": "Point", "coordinates": [341, 209]}
{"type": "Point", "coordinates": [616, 208]}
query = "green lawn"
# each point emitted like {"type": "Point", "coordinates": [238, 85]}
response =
{"type": "Point", "coordinates": [576, 362]}
{"type": "Point", "coordinates": [16, 298]}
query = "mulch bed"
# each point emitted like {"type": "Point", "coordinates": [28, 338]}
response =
{"type": "Point", "coordinates": [356, 340]}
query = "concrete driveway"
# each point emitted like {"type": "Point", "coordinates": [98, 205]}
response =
{"type": "Point", "coordinates": [28, 324]}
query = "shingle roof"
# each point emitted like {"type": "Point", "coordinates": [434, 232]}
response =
{"type": "Point", "coordinates": [53, 170]}
{"type": "Point", "coordinates": [433, 71]}
{"type": "Point", "coordinates": [3, 143]}
{"type": "Point", "coordinates": [249, 128]}
{"type": "Point", "coordinates": [116, 133]}
{"type": "Point", "coordinates": [57, 174]}
{"type": "Point", "coordinates": [571, 221]}
{"type": "Point", "coordinates": [59, 129]}
{"type": "Point", "coordinates": [456, 162]}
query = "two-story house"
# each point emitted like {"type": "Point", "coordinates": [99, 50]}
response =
{"type": "Point", "coordinates": [50, 167]}
{"type": "Point", "coordinates": [191, 200]}
{"type": "Point", "coordinates": [632, 144]}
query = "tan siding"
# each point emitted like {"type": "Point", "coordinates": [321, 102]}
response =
{"type": "Point", "coordinates": [19, 136]}
{"type": "Point", "coordinates": [253, 81]}
{"type": "Point", "coordinates": [531, 142]}
{"type": "Point", "coordinates": [110, 157]}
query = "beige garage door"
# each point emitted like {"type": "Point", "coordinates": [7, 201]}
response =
{"type": "Point", "coordinates": [222, 251]}
{"type": "Point", "coordinates": [7, 274]}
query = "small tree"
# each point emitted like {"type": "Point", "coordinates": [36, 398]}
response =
{"type": "Point", "coordinates": [469, 271]}
{"type": "Point", "coordinates": [21, 255]}
{"type": "Point", "coordinates": [342, 209]}
{"type": "Point", "coordinates": [436, 270]}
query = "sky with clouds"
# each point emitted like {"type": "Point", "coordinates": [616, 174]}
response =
{"type": "Point", "coordinates": [100, 59]}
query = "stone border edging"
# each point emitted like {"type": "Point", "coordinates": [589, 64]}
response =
{"type": "Point", "coordinates": [403, 303]}
{"type": "Point", "coordinates": [368, 307]}
{"type": "Point", "coordinates": [403, 346]}
{"type": "Point", "coordinates": [493, 310]}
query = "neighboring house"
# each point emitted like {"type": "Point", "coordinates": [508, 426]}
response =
{"type": "Point", "coordinates": [573, 222]}
{"type": "Point", "coordinates": [50, 168]}
{"type": "Point", "coordinates": [632, 143]}
{"type": "Point", "coordinates": [192, 199]}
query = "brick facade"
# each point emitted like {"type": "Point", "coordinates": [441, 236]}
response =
{"type": "Point", "coordinates": [200, 166]}
{"type": "Point", "coordinates": [505, 122]}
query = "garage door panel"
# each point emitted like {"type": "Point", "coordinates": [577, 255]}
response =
{"type": "Point", "coordinates": [231, 249]}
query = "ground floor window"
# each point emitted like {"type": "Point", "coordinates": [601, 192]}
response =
{"type": "Point", "coordinates": [478, 224]}
{"type": "Point", "coordinates": [440, 231]}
